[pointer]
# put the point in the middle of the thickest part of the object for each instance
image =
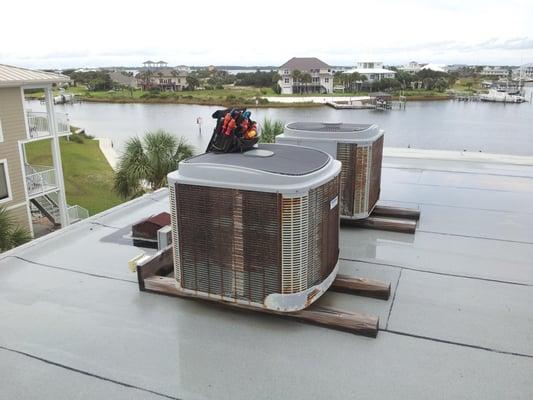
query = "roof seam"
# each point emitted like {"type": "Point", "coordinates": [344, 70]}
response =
{"type": "Point", "coordinates": [86, 373]}
{"type": "Point", "coordinates": [73, 270]}
{"type": "Point", "coordinates": [436, 272]}
{"type": "Point", "coordinates": [472, 346]}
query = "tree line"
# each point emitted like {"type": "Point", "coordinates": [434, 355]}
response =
{"type": "Point", "coordinates": [425, 79]}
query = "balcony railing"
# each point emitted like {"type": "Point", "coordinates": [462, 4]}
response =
{"type": "Point", "coordinates": [76, 213]}
{"type": "Point", "coordinates": [40, 179]}
{"type": "Point", "coordinates": [38, 124]}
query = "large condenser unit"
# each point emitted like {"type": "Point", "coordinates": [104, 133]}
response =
{"type": "Point", "coordinates": [260, 228]}
{"type": "Point", "coordinates": [360, 149]}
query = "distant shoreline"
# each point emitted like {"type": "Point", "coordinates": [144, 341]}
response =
{"type": "Point", "coordinates": [202, 102]}
{"type": "Point", "coordinates": [196, 102]}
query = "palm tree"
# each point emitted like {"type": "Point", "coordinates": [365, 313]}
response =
{"type": "Point", "coordinates": [147, 162]}
{"type": "Point", "coordinates": [192, 82]}
{"type": "Point", "coordinates": [296, 76]}
{"type": "Point", "coordinates": [146, 76]}
{"type": "Point", "coordinates": [11, 235]}
{"type": "Point", "coordinates": [306, 79]}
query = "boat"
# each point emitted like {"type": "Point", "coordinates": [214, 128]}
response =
{"type": "Point", "coordinates": [502, 96]}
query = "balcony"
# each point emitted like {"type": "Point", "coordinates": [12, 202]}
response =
{"type": "Point", "coordinates": [38, 124]}
{"type": "Point", "coordinates": [40, 179]}
{"type": "Point", "coordinates": [76, 213]}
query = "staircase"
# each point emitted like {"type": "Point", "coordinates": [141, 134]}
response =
{"type": "Point", "coordinates": [47, 205]}
{"type": "Point", "coordinates": [49, 208]}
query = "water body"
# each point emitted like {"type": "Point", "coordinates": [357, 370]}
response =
{"type": "Point", "coordinates": [443, 125]}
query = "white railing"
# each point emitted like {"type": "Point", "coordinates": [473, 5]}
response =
{"type": "Point", "coordinates": [40, 179]}
{"type": "Point", "coordinates": [75, 213]}
{"type": "Point", "coordinates": [39, 127]}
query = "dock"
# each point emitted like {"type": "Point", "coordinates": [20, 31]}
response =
{"type": "Point", "coordinates": [350, 105]}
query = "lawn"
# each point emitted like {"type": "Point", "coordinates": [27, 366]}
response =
{"type": "Point", "coordinates": [88, 176]}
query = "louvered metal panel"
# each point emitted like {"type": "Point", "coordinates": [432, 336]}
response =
{"type": "Point", "coordinates": [295, 240]}
{"type": "Point", "coordinates": [175, 239]}
{"type": "Point", "coordinates": [375, 173]}
{"type": "Point", "coordinates": [245, 245]}
{"type": "Point", "coordinates": [230, 242]}
{"type": "Point", "coordinates": [346, 154]}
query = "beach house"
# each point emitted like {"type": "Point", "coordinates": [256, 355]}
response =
{"type": "Point", "coordinates": [373, 70]}
{"type": "Point", "coordinates": [305, 75]}
{"type": "Point", "coordinates": [159, 75]}
{"type": "Point", "coordinates": [30, 191]}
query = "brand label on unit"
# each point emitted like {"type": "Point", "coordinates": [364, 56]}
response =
{"type": "Point", "coordinates": [333, 203]}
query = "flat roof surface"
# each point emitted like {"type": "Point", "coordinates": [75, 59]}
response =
{"type": "Point", "coordinates": [277, 159]}
{"type": "Point", "coordinates": [459, 323]}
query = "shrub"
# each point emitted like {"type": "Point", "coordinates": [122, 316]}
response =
{"type": "Point", "coordinates": [76, 138]}
{"type": "Point", "coordinates": [86, 136]}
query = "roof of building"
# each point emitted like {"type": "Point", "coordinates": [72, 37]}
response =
{"type": "Point", "coordinates": [435, 67]}
{"type": "Point", "coordinates": [369, 71]}
{"type": "Point", "coordinates": [167, 72]}
{"type": "Point", "coordinates": [304, 64]}
{"type": "Point", "coordinates": [123, 79]}
{"type": "Point", "coordinates": [17, 76]}
{"type": "Point", "coordinates": [458, 323]}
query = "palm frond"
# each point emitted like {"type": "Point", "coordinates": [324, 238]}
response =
{"type": "Point", "coordinates": [11, 234]}
{"type": "Point", "coordinates": [270, 129]}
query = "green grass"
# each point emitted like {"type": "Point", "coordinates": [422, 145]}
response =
{"type": "Point", "coordinates": [88, 176]}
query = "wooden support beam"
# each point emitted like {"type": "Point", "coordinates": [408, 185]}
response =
{"type": "Point", "coordinates": [384, 224]}
{"type": "Point", "coordinates": [360, 324]}
{"type": "Point", "coordinates": [361, 287]}
{"type": "Point", "coordinates": [160, 263]}
{"type": "Point", "coordinates": [396, 212]}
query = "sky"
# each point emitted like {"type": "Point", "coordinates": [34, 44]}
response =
{"type": "Point", "coordinates": [65, 34]}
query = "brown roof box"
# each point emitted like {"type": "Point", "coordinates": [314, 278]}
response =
{"type": "Point", "coordinates": [147, 228]}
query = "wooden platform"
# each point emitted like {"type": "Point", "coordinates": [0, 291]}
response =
{"type": "Point", "coordinates": [155, 275]}
{"type": "Point", "coordinates": [385, 218]}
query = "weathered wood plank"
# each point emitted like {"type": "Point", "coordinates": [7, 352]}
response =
{"type": "Point", "coordinates": [396, 212]}
{"type": "Point", "coordinates": [361, 287]}
{"type": "Point", "coordinates": [360, 324]}
{"type": "Point", "coordinates": [384, 224]}
{"type": "Point", "coordinates": [160, 263]}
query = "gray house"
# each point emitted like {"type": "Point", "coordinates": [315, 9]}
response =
{"type": "Point", "coordinates": [321, 76]}
{"type": "Point", "coordinates": [123, 80]}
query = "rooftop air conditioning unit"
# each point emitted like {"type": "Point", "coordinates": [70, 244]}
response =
{"type": "Point", "coordinates": [260, 228]}
{"type": "Point", "coordinates": [360, 149]}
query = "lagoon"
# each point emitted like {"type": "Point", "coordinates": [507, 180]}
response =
{"type": "Point", "coordinates": [441, 125]}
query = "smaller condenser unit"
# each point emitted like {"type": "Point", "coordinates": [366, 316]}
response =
{"type": "Point", "coordinates": [360, 149]}
{"type": "Point", "coordinates": [260, 228]}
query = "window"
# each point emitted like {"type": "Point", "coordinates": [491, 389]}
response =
{"type": "Point", "coordinates": [316, 79]}
{"type": "Point", "coordinates": [286, 72]}
{"type": "Point", "coordinates": [326, 80]}
{"type": "Point", "coordinates": [5, 190]}
{"type": "Point", "coordinates": [286, 80]}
